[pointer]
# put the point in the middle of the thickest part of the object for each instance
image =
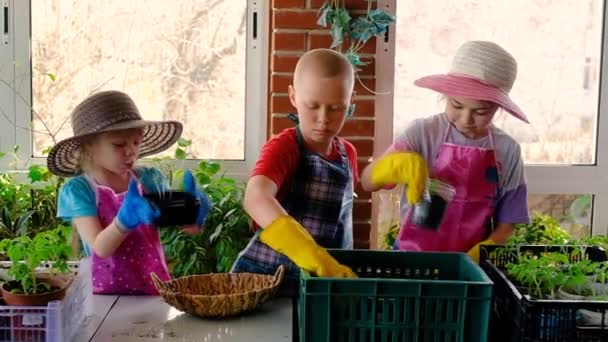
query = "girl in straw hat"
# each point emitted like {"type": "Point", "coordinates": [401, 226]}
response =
{"type": "Point", "coordinates": [104, 199]}
{"type": "Point", "coordinates": [462, 148]}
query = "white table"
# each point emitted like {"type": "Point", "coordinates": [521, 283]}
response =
{"type": "Point", "coordinates": [142, 318]}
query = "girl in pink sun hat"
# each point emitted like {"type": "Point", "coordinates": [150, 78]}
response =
{"type": "Point", "coordinates": [461, 147]}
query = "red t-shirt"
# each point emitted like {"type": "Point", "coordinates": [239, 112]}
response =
{"type": "Point", "coordinates": [279, 159]}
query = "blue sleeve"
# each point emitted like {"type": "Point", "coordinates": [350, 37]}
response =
{"type": "Point", "coordinates": [152, 179]}
{"type": "Point", "coordinates": [76, 199]}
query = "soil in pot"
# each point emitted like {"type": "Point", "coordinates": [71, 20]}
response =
{"type": "Point", "coordinates": [56, 292]}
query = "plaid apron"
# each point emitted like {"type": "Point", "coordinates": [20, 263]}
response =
{"type": "Point", "coordinates": [320, 198]}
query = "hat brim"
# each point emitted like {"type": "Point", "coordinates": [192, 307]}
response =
{"type": "Point", "coordinates": [469, 87]}
{"type": "Point", "coordinates": [63, 159]}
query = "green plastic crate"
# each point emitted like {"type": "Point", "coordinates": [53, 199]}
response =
{"type": "Point", "coordinates": [400, 296]}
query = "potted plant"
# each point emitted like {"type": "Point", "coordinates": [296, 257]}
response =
{"type": "Point", "coordinates": [542, 230]}
{"type": "Point", "coordinates": [28, 286]}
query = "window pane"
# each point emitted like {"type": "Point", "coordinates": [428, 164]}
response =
{"type": "Point", "coordinates": [573, 212]}
{"type": "Point", "coordinates": [556, 43]}
{"type": "Point", "coordinates": [181, 60]}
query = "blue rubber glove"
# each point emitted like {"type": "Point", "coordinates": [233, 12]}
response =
{"type": "Point", "coordinates": [135, 209]}
{"type": "Point", "coordinates": [205, 207]}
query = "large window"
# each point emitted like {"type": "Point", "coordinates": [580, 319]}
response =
{"type": "Point", "coordinates": [200, 62]}
{"type": "Point", "coordinates": [559, 47]}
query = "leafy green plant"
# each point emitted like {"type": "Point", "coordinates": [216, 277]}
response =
{"type": "Point", "coordinates": [345, 26]}
{"type": "Point", "coordinates": [28, 201]}
{"type": "Point", "coordinates": [227, 228]}
{"type": "Point", "coordinates": [13, 226]}
{"type": "Point", "coordinates": [26, 255]}
{"type": "Point", "coordinates": [543, 229]}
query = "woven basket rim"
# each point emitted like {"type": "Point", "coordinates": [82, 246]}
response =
{"type": "Point", "coordinates": [277, 277]}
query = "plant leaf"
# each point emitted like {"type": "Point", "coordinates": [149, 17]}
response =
{"type": "Point", "coordinates": [183, 142]}
{"type": "Point", "coordinates": [325, 16]}
{"type": "Point", "coordinates": [355, 59]}
{"type": "Point", "coordinates": [337, 35]}
{"type": "Point", "coordinates": [180, 154]}
{"type": "Point", "coordinates": [21, 224]}
{"type": "Point", "coordinates": [381, 17]}
{"type": "Point", "coordinates": [35, 173]}
{"type": "Point", "coordinates": [362, 29]}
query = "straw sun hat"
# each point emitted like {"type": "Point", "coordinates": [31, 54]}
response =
{"type": "Point", "coordinates": [105, 112]}
{"type": "Point", "coordinates": [480, 70]}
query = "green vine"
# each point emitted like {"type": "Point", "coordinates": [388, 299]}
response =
{"type": "Point", "coordinates": [358, 30]}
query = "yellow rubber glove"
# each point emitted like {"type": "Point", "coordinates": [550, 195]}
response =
{"type": "Point", "coordinates": [285, 235]}
{"type": "Point", "coordinates": [474, 252]}
{"type": "Point", "coordinates": [407, 168]}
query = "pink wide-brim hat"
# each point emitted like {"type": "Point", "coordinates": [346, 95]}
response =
{"type": "Point", "coordinates": [482, 71]}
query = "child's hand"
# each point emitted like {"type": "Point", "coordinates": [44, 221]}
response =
{"type": "Point", "coordinates": [135, 209]}
{"type": "Point", "coordinates": [407, 168]}
{"type": "Point", "coordinates": [205, 207]}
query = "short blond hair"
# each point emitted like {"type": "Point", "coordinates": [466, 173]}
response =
{"type": "Point", "coordinates": [324, 63]}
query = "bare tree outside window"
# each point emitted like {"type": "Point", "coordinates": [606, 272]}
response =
{"type": "Point", "coordinates": [557, 46]}
{"type": "Point", "coordinates": [182, 60]}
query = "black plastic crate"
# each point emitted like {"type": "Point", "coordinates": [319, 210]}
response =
{"type": "Point", "coordinates": [517, 317]}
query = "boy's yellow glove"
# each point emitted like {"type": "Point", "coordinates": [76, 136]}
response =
{"type": "Point", "coordinates": [285, 235]}
{"type": "Point", "coordinates": [402, 168]}
{"type": "Point", "coordinates": [474, 252]}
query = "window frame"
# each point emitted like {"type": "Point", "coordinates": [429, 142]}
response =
{"type": "Point", "coordinates": [18, 48]}
{"type": "Point", "coordinates": [542, 179]}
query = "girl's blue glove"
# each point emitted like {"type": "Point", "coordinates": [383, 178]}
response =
{"type": "Point", "coordinates": [135, 209]}
{"type": "Point", "coordinates": [205, 207]}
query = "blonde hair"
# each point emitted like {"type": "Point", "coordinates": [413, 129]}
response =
{"type": "Point", "coordinates": [85, 156]}
{"type": "Point", "coordinates": [324, 63]}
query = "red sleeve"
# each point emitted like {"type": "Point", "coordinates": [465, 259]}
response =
{"type": "Point", "coordinates": [279, 158]}
{"type": "Point", "coordinates": [351, 153]}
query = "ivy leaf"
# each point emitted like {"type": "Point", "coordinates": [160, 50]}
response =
{"type": "Point", "coordinates": [382, 18]}
{"type": "Point", "coordinates": [326, 15]}
{"type": "Point", "coordinates": [342, 18]}
{"type": "Point", "coordinates": [52, 76]}
{"type": "Point", "coordinates": [362, 29]}
{"type": "Point", "coordinates": [337, 35]}
{"type": "Point", "coordinates": [355, 59]}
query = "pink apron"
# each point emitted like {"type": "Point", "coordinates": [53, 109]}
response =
{"type": "Point", "coordinates": [473, 172]}
{"type": "Point", "coordinates": [128, 270]}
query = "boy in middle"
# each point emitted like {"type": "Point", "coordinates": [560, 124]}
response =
{"type": "Point", "coordinates": [301, 190]}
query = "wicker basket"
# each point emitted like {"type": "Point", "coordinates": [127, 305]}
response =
{"type": "Point", "coordinates": [219, 294]}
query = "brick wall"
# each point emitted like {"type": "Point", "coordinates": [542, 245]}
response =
{"type": "Point", "coordinates": [293, 31]}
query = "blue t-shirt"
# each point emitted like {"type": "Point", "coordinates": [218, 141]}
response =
{"type": "Point", "coordinates": [77, 198]}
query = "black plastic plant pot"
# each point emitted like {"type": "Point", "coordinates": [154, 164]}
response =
{"type": "Point", "coordinates": [429, 212]}
{"type": "Point", "coordinates": [177, 208]}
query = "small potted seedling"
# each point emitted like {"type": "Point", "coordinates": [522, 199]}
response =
{"type": "Point", "coordinates": [28, 286]}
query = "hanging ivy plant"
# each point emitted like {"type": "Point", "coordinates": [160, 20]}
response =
{"type": "Point", "coordinates": [343, 26]}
